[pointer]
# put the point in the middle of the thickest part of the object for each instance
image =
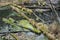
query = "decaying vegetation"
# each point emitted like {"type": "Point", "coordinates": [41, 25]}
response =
{"type": "Point", "coordinates": [26, 18]}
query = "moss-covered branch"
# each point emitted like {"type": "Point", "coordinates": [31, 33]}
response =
{"type": "Point", "coordinates": [42, 27]}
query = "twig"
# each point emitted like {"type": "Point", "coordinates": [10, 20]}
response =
{"type": "Point", "coordinates": [14, 36]}
{"type": "Point", "coordinates": [53, 10]}
{"type": "Point", "coordinates": [12, 32]}
{"type": "Point", "coordinates": [38, 17]}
